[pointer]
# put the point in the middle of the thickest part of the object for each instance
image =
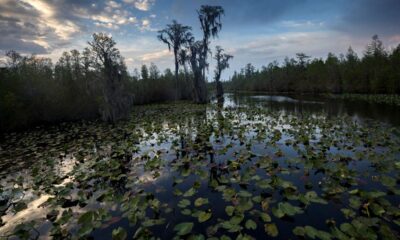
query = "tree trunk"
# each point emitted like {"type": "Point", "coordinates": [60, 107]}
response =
{"type": "Point", "coordinates": [200, 87]}
{"type": "Point", "coordinates": [220, 90]}
{"type": "Point", "coordinates": [176, 73]}
{"type": "Point", "coordinates": [116, 101]}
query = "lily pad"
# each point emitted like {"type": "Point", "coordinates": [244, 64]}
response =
{"type": "Point", "coordinates": [183, 228]}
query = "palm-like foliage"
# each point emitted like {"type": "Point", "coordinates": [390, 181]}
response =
{"type": "Point", "coordinates": [175, 35]}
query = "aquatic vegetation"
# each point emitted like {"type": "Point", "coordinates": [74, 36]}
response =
{"type": "Point", "coordinates": [204, 172]}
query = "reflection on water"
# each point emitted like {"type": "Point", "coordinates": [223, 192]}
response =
{"type": "Point", "coordinates": [297, 104]}
{"type": "Point", "coordinates": [256, 154]}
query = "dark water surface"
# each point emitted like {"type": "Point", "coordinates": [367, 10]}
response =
{"type": "Point", "coordinates": [256, 166]}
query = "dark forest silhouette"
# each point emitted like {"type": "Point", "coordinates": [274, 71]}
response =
{"type": "Point", "coordinates": [95, 83]}
{"type": "Point", "coordinates": [377, 71]}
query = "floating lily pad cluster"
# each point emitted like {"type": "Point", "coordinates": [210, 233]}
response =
{"type": "Point", "coordinates": [183, 171]}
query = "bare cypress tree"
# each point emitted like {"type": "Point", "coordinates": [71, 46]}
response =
{"type": "Point", "coordinates": [175, 35]}
{"type": "Point", "coordinates": [116, 101]}
{"type": "Point", "coordinates": [222, 64]}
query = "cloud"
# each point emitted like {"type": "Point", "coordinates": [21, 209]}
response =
{"type": "Point", "coordinates": [113, 4]}
{"type": "Point", "coordinates": [34, 26]}
{"type": "Point", "coordinates": [112, 16]}
{"type": "Point", "coordinates": [143, 5]}
{"type": "Point", "coordinates": [108, 25]}
{"type": "Point", "coordinates": [303, 24]}
{"type": "Point", "coordinates": [17, 23]}
{"type": "Point", "coordinates": [288, 44]}
{"type": "Point", "coordinates": [154, 56]}
{"type": "Point", "coordinates": [48, 19]}
{"type": "Point", "coordinates": [38, 26]}
{"type": "Point", "coordinates": [145, 25]}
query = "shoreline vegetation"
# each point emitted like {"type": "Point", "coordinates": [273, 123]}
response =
{"type": "Point", "coordinates": [376, 72]}
{"type": "Point", "coordinates": [390, 99]}
{"type": "Point", "coordinates": [95, 83]}
{"type": "Point", "coordinates": [33, 91]}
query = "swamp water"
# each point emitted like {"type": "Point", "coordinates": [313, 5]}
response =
{"type": "Point", "coordinates": [256, 167]}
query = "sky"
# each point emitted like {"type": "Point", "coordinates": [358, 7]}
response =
{"type": "Point", "coordinates": [254, 31]}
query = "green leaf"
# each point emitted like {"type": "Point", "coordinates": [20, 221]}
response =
{"type": "Point", "coordinates": [299, 231]}
{"type": "Point", "coordinates": [377, 209]}
{"type": "Point", "coordinates": [245, 194]}
{"type": "Point", "coordinates": [271, 229]}
{"type": "Point", "coordinates": [311, 232]}
{"type": "Point", "coordinates": [244, 236]}
{"type": "Point", "coordinates": [388, 181]}
{"type": "Point", "coordinates": [231, 226]}
{"type": "Point", "coordinates": [278, 212]}
{"type": "Point", "coordinates": [183, 203]}
{"type": "Point", "coordinates": [229, 210]}
{"type": "Point", "coordinates": [86, 218]}
{"type": "Point", "coordinates": [196, 237]}
{"type": "Point", "coordinates": [285, 208]}
{"type": "Point", "coordinates": [85, 230]}
{"type": "Point", "coordinates": [200, 201]}
{"type": "Point", "coordinates": [313, 197]}
{"type": "Point", "coordinates": [204, 216]}
{"type": "Point", "coordinates": [244, 205]}
{"type": "Point", "coordinates": [20, 206]}
{"type": "Point", "coordinates": [265, 217]}
{"type": "Point", "coordinates": [250, 224]}
{"type": "Point", "coordinates": [186, 212]}
{"type": "Point", "coordinates": [119, 234]}
{"type": "Point", "coordinates": [183, 228]}
{"type": "Point", "coordinates": [189, 192]}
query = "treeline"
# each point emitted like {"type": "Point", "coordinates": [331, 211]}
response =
{"type": "Point", "coordinates": [95, 82]}
{"type": "Point", "coordinates": [33, 90]}
{"type": "Point", "coordinates": [377, 71]}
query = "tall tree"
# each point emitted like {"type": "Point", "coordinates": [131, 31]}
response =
{"type": "Point", "coordinates": [210, 21]}
{"type": "Point", "coordinates": [175, 35]}
{"type": "Point", "coordinates": [116, 101]}
{"type": "Point", "coordinates": [195, 59]}
{"type": "Point", "coordinates": [222, 64]}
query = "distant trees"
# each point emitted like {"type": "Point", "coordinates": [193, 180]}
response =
{"type": "Point", "coordinates": [222, 64]}
{"type": "Point", "coordinates": [175, 35]}
{"type": "Point", "coordinates": [144, 72]}
{"type": "Point", "coordinates": [377, 71]}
